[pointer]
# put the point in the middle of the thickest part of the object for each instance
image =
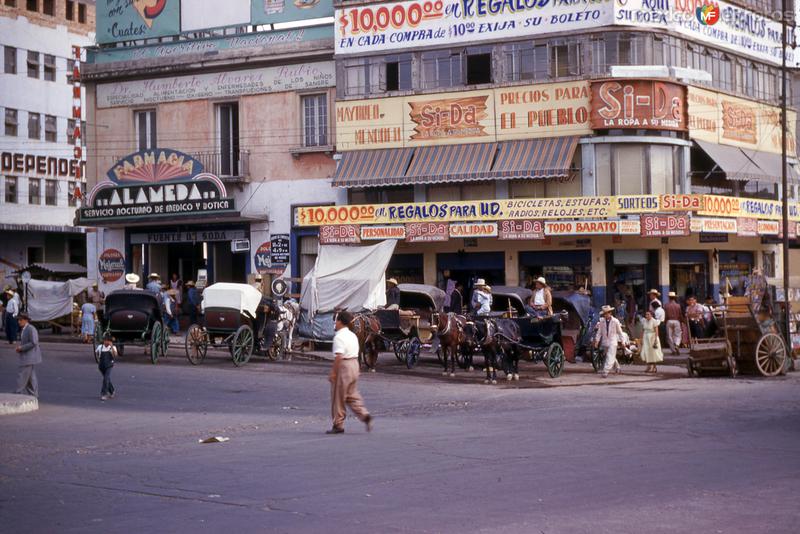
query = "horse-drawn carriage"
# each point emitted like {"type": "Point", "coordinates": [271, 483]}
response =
{"type": "Point", "coordinates": [748, 341]}
{"type": "Point", "coordinates": [404, 330]}
{"type": "Point", "coordinates": [133, 317]}
{"type": "Point", "coordinates": [235, 316]}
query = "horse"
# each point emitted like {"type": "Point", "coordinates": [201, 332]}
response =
{"type": "Point", "coordinates": [450, 333]}
{"type": "Point", "coordinates": [508, 337]}
{"type": "Point", "coordinates": [497, 337]}
{"type": "Point", "coordinates": [367, 329]}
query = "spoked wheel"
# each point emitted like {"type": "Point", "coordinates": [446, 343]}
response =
{"type": "Point", "coordinates": [598, 359]}
{"type": "Point", "coordinates": [276, 351]}
{"type": "Point", "coordinates": [413, 348]}
{"type": "Point", "coordinates": [242, 345]}
{"type": "Point", "coordinates": [554, 359]}
{"type": "Point", "coordinates": [399, 350]}
{"type": "Point", "coordinates": [156, 343]}
{"type": "Point", "coordinates": [98, 340]}
{"type": "Point", "coordinates": [770, 355]}
{"type": "Point", "coordinates": [196, 344]}
{"type": "Point", "coordinates": [690, 366]}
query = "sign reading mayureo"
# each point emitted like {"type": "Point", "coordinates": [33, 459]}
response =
{"type": "Point", "coordinates": [638, 104]}
{"type": "Point", "coordinates": [154, 184]}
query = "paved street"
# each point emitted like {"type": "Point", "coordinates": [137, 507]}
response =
{"type": "Point", "coordinates": [677, 455]}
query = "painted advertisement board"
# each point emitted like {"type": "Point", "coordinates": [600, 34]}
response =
{"type": "Point", "coordinates": [216, 85]}
{"type": "Point", "coordinates": [664, 225]}
{"type": "Point", "coordinates": [111, 265]}
{"type": "Point", "coordinates": [129, 20]}
{"type": "Point", "coordinates": [340, 234]}
{"type": "Point", "coordinates": [414, 24]}
{"type": "Point", "coordinates": [427, 232]}
{"type": "Point", "coordinates": [521, 230]}
{"type": "Point", "coordinates": [272, 11]}
{"type": "Point", "coordinates": [638, 104]}
{"type": "Point", "coordinates": [523, 112]}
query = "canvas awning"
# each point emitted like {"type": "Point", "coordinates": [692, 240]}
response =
{"type": "Point", "coordinates": [735, 163]}
{"type": "Point", "coordinates": [363, 168]}
{"type": "Point", "coordinates": [451, 163]}
{"type": "Point", "coordinates": [550, 157]}
{"type": "Point", "coordinates": [770, 164]}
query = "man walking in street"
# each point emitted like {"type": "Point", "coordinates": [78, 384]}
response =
{"type": "Point", "coordinates": [12, 314]}
{"type": "Point", "coordinates": [29, 357]}
{"type": "Point", "coordinates": [674, 316]}
{"type": "Point", "coordinates": [344, 376]}
{"type": "Point", "coordinates": [609, 334]}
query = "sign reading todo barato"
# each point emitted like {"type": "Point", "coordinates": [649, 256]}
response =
{"type": "Point", "coordinates": [216, 85]}
{"type": "Point", "coordinates": [157, 183]}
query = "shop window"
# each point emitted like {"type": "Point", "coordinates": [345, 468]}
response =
{"type": "Point", "coordinates": [308, 253]}
{"type": "Point", "coordinates": [9, 60]}
{"type": "Point", "coordinates": [228, 138]}
{"type": "Point", "coordinates": [49, 68]}
{"type": "Point", "coordinates": [398, 72]}
{"type": "Point", "coordinates": [441, 69]}
{"type": "Point", "coordinates": [70, 10]}
{"type": "Point", "coordinates": [603, 170]}
{"type": "Point", "coordinates": [34, 126]}
{"type": "Point", "coordinates": [479, 65]}
{"type": "Point", "coordinates": [146, 131]}
{"type": "Point", "coordinates": [11, 192]}
{"type": "Point", "coordinates": [383, 195]}
{"type": "Point", "coordinates": [71, 131]}
{"type": "Point", "coordinates": [34, 191]}
{"type": "Point", "coordinates": [50, 129]}
{"type": "Point", "coordinates": [315, 120]}
{"type": "Point", "coordinates": [33, 64]}
{"type": "Point", "coordinates": [32, 5]}
{"type": "Point", "coordinates": [49, 7]}
{"type": "Point", "coordinates": [525, 61]}
{"type": "Point", "coordinates": [51, 192]}
{"type": "Point", "coordinates": [71, 200]}
{"type": "Point", "coordinates": [82, 13]}
{"type": "Point", "coordinates": [11, 122]}
{"type": "Point", "coordinates": [630, 169]}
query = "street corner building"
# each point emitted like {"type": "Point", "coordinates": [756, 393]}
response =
{"type": "Point", "coordinates": [42, 154]}
{"type": "Point", "coordinates": [205, 127]}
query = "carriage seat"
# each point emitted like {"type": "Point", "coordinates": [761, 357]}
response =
{"type": "Point", "coordinates": [406, 313]}
{"type": "Point", "coordinates": [129, 319]}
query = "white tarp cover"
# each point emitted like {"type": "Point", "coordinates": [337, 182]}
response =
{"type": "Point", "coordinates": [238, 296]}
{"type": "Point", "coordinates": [51, 300]}
{"type": "Point", "coordinates": [345, 277]}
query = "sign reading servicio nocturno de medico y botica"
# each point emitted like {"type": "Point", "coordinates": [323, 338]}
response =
{"type": "Point", "coordinates": [156, 184]}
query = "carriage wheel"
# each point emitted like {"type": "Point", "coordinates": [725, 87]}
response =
{"type": "Point", "coordinates": [156, 343]}
{"type": "Point", "coordinates": [690, 366]}
{"type": "Point", "coordinates": [598, 359]}
{"type": "Point", "coordinates": [196, 344]}
{"type": "Point", "coordinates": [399, 350]}
{"type": "Point", "coordinates": [276, 351]}
{"type": "Point", "coordinates": [554, 360]}
{"type": "Point", "coordinates": [165, 340]}
{"type": "Point", "coordinates": [242, 345]}
{"type": "Point", "coordinates": [98, 340]}
{"type": "Point", "coordinates": [770, 355]}
{"type": "Point", "coordinates": [413, 348]}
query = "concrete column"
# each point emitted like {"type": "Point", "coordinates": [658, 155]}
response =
{"type": "Point", "coordinates": [512, 268]}
{"type": "Point", "coordinates": [685, 179]}
{"type": "Point", "coordinates": [599, 291]}
{"type": "Point", "coordinates": [588, 182]}
{"type": "Point", "coordinates": [429, 268]}
{"type": "Point", "coordinates": [713, 265]}
{"type": "Point", "coordinates": [663, 272]}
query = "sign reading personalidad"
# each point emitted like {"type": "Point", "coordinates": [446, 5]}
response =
{"type": "Point", "coordinates": [424, 23]}
{"type": "Point", "coordinates": [129, 20]}
{"type": "Point", "coordinates": [156, 184]}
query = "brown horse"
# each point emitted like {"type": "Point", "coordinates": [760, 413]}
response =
{"type": "Point", "coordinates": [367, 329]}
{"type": "Point", "coordinates": [450, 331]}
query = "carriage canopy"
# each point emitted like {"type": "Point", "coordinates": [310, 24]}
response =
{"type": "Point", "coordinates": [510, 297]}
{"type": "Point", "coordinates": [242, 297]}
{"type": "Point", "coordinates": [421, 296]}
{"type": "Point", "coordinates": [133, 300]}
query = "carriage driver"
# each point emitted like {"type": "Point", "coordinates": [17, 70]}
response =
{"type": "Point", "coordinates": [392, 294]}
{"type": "Point", "coordinates": [541, 302]}
{"type": "Point", "coordinates": [481, 303]}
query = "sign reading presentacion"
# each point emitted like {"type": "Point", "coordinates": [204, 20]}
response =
{"type": "Point", "coordinates": [218, 85]}
{"type": "Point", "coordinates": [542, 110]}
{"type": "Point", "coordinates": [156, 184]}
{"type": "Point", "coordinates": [414, 24]}
{"type": "Point", "coordinates": [638, 104]}
{"type": "Point", "coordinates": [271, 11]}
{"type": "Point", "coordinates": [129, 20]}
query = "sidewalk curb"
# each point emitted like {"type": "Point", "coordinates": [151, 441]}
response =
{"type": "Point", "coordinates": [11, 403]}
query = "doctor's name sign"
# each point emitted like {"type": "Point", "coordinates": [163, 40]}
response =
{"type": "Point", "coordinates": [154, 184]}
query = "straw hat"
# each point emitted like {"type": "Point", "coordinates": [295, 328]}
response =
{"type": "Point", "coordinates": [541, 280]}
{"type": "Point", "coordinates": [94, 285]}
{"type": "Point", "coordinates": [190, 283]}
{"type": "Point", "coordinates": [132, 278]}
{"type": "Point", "coordinates": [480, 282]}
{"type": "Point", "coordinates": [154, 275]}
{"type": "Point", "coordinates": [392, 281]}
{"type": "Point", "coordinates": [607, 309]}
{"type": "Point", "coordinates": [672, 294]}
{"type": "Point", "coordinates": [655, 292]}
{"type": "Point", "coordinates": [10, 292]}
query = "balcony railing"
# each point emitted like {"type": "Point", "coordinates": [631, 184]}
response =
{"type": "Point", "coordinates": [230, 166]}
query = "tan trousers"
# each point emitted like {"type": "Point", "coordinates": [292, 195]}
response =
{"type": "Point", "coordinates": [344, 392]}
{"type": "Point", "coordinates": [674, 334]}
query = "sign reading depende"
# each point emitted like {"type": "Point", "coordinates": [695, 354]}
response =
{"type": "Point", "coordinates": [33, 164]}
{"type": "Point", "coordinates": [155, 184]}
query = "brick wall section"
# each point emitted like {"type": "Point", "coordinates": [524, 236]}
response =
{"type": "Point", "coordinates": [51, 21]}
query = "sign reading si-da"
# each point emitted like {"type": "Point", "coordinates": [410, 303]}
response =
{"type": "Point", "coordinates": [156, 184]}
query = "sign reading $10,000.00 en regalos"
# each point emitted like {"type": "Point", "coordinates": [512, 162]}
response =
{"type": "Point", "coordinates": [413, 24]}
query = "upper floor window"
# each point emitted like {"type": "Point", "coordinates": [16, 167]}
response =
{"type": "Point", "coordinates": [315, 120]}
{"type": "Point", "coordinates": [525, 61]}
{"type": "Point", "coordinates": [479, 65]}
{"type": "Point", "coordinates": [441, 69]}
{"type": "Point", "coordinates": [70, 10]}
{"type": "Point", "coordinates": [71, 199]}
{"type": "Point", "coordinates": [11, 3]}
{"type": "Point", "coordinates": [228, 138]}
{"type": "Point", "coordinates": [145, 123]}
{"type": "Point", "coordinates": [11, 122]}
{"type": "Point", "coordinates": [11, 190]}
{"type": "Point", "coordinates": [49, 7]}
{"type": "Point", "coordinates": [32, 5]}
{"type": "Point", "coordinates": [82, 13]}
{"type": "Point", "coordinates": [34, 191]}
{"type": "Point", "coordinates": [398, 72]}
{"type": "Point", "coordinates": [362, 76]}
{"type": "Point", "coordinates": [34, 126]}
{"type": "Point", "coordinates": [33, 64]}
{"type": "Point", "coordinates": [50, 128]}
{"type": "Point", "coordinates": [565, 59]}
{"type": "Point", "coordinates": [49, 68]}
{"type": "Point", "coordinates": [51, 192]}
{"type": "Point", "coordinates": [9, 60]}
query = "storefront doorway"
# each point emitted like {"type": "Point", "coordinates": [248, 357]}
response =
{"type": "Point", "coordinates": [406, 268]}
{"type": "Point", "coordinates": [734, 268]}
{"type": "Point", "coordinates": [688, 273]}
{"type": "Point", "coordinates": [466, 267]}
{"type": "Point", "coordinates": [564, 270]}
{"type": "Point", "coordinates": [630, 275]}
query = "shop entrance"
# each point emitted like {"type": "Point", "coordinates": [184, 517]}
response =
{"type": "Point", "coordinates": [688, 273]}
{"type": "Point", "coordinates": [631, 274]}
{"type": "Point", "coordinates": [564, 270]}
{"type": "Point", "coordinates": [466, 267]}
{"type": "Point", "coordinates": [406, 268]}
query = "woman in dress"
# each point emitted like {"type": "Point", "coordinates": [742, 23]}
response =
{"type": "Point", "coordinates": [650, 344]}
{"type": "Point", "coordinates": [88, 317]}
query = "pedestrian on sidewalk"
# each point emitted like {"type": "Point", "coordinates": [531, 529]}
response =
{"type": "Point", "coordinates": [30, 355]}
{"type": "Point", "coordinates": [88, 317]}
{"type": "Point", "coordinates": [106, 352]}
{"type": "Point", "coordinates": [344, 376]}
{"type": "Point", "coordinates": [12, 316]}
{"type": "Point", "coordinates": [675, 320]}
{"type": "Point", "coordinates": [608, 337]}
{"type": "Point", "coordinates": [650, 344]}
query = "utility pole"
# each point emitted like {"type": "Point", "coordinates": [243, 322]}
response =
{"type": "Point", "coordinates": [785, 186]}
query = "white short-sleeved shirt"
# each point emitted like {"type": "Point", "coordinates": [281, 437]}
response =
{"type": "Point", "coordinates": [345, 343]}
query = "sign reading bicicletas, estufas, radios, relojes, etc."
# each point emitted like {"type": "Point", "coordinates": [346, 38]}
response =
{"type": "Point", "coordinates": [156, 184]}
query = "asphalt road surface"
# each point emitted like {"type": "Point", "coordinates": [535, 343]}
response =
{"type": "Point", "coordinates": [679, 455]}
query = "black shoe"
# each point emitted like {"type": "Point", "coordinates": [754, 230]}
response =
{"type": "Point", "coordinates": [335, 430]}
{"type": "Point", "coordinates": [368, 422]}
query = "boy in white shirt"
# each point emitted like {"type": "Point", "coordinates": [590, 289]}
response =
{"type": "Point", "coordinates": [344, 376]}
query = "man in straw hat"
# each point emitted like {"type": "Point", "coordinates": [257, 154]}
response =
{"type": "Point", "coordinates": [392, 294]}
{"type": "Point", "coordinates": [154, 285]}
{"type": "Point", "coordinates": [131, 281]}
{"type": "Point", "coordinates": [481, 303]}
{"type": "Point", "coordinates": [609, 335]}
{"type": "Point", "coordinates": [674, 316]}
{"type": "Point", "coordinates": [652, 298]}
{"type": "Point", "coordinates": [541, 301]}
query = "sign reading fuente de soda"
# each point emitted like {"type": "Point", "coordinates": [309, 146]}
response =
{"type": "Point", "coordinates": [156, 184]}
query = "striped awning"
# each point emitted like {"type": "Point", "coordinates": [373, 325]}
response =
{"type": "Point", "coordinates": [451, 163]}
{"type": "Point", "coordinates": [364, 168]}
{"type": "Point", "coordinates": [549, 157]}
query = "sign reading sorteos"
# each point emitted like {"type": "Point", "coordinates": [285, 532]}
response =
{"type": "Point", "coordinates": [638, 104]}
{"type": "Point", "coordinates": [156, 184]}
{"type": "Point", "coordinates": [521, 230]}
{"type": "Point", "coordinates": [216, 85]}
{"type": "Point", "coordinates": [111, 265]}
{"type": "Point", "coordinates": [664, 225]}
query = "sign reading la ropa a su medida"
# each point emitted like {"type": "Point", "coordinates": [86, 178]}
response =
{"type": "Point", "coordinates": [153, 184]}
